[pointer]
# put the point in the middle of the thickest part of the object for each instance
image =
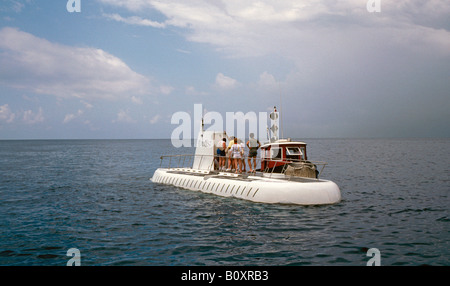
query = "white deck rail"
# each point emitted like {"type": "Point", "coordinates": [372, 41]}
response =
{"type": "Point", "coordinates": [185, 161]}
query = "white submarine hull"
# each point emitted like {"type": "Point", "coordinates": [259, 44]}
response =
{"type": "Point", "coordinates": [278, 189]}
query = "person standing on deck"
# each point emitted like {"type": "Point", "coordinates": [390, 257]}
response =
{"type": "Point", "coordinates": [253, 146]}
{"type": "Point", "coordinates": [229, 154]}
{"type": "Point", "coordinates": [240, 142]}
{"type": "Point", "coordinates": [221, 148]}
{"type": "Point", "coordinates": [237, 152]}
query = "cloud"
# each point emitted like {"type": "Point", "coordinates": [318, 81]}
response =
{"type": "Point", "coordinates": [123, 116]}
{"type": "Point", "coordinates": [136, 100]}
{"type": "Point", "coordinates": [12, 5]}
{"type": "Point", "coordinates": [191, 90]}
{"type": "Point", "coordinates": [348, 68]}
{"type": "Point", "coordinates": [134, 5]}
{"type": "Point", "coordinates": [256, 28]}
{"type": "Point", "coordinates": [70, 117]}
{"type": "Point", "coordinates": [135, 20]}
{"type": "Point", "coordinates": [32, 63]}
{"type": "Point", "coordinates": [87, 104]}
{"type": "Point", "coordinates": [29, 117]}
{"type": "Point", "coordinates": [225, 82]}
{"type": "Point", "coordinates": [266, 79]}
{"type": "Point", "coordinates": [155, 119]}
{"type": "Point", "coordinates": [166, 89]}
{"type": "Point", "coordinates": [6, 114]}
{"type": "Point", "coordinates": [183, 51]}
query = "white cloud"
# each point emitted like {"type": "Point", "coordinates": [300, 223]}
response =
{"type": "Point", "coordinates": [72, 116]}
{"type": "Point", "coordinates": [266, 79]}
{"type": "Point", "coordinates": [155, 119]}
{"type": "Point", "coordinates": [6, 114]}
{"type": "Point", "coordinates": [166, 89]}
{"type": "Point", "coordinates": [183, 51]}
{"type": "Point", "coordinates": [255, 28]}
{"type": "Point", "coordinates": [225, 82]}
{"type": "Point", "coordinates": [123, 116]}
{"type": "Point", "coordinates": [32, 63]}
{"type": "Point", "coordinates": [135, 20]}
{"type": "Point", "coordinates": [87, 104]}
{"type": "Point", "coordinates": [191, 90]}
{"type": "Point", "coordinates": [334, 57]}
{"type": "Point", "coordinates": [133, 5]}
{"type": "Point", "coordinates": [136, 100]}
{"type": "Point", "coordinates": [12, 5]}
{"type": "Point", "coordinates": [68, 118]}
{"type": "Point", "coordinates": [29, 117]}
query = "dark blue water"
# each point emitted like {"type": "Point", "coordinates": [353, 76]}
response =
{"type": "Point", "coordinates": [96, 196]}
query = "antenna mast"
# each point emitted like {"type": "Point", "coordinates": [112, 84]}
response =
{"type": "Point", "coordinates": [281, 112]}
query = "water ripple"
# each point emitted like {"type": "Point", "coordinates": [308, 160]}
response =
{"type": "Point", "coordinates": [95, 195]}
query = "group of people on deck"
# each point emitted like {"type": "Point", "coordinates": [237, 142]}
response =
{"type": "Point", "coordinates": [234, 152]}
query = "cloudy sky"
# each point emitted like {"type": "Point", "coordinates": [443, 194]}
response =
{"type": "Point", "coordinates": [121, 69]}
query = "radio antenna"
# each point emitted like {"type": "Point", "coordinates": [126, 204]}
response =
{"type": "Point", "coordinates": [281, 112]}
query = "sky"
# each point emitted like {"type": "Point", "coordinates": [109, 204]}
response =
{"type": "Point", "coordinates": [122, 69]}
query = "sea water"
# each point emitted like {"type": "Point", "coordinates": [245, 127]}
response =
{"type": "Point", "coordinates": [95, 196]}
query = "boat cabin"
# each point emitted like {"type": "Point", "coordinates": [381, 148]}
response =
{"type": "Point", "coordinates": [275, 155]}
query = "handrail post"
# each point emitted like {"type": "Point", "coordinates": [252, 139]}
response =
{"type": "Point", "coordinates": [201, 159]}
{"type": "Point", "coordinates": [212, 164]}
{"type": "Point", "coordinates": [323, 167]}
{"type": "Point", "coordinates": [190, 160]}
{"type": "Point", "coordinates": [273, 169]}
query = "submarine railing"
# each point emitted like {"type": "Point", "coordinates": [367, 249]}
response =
{"type": "Point", "coordinates": [182, 163]}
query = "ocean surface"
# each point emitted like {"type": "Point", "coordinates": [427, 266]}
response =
{"type": "Point", "coordinates": [95, 196]}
